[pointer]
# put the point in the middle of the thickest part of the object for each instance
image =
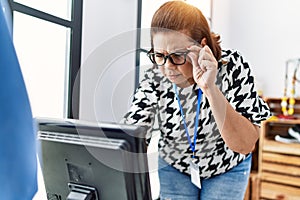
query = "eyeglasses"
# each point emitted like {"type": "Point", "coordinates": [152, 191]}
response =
{"type": "Point", "coordinates": [176, 58]}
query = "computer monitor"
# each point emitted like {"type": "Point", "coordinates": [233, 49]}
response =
{"type": "Point", "coordinates": [93, 161]}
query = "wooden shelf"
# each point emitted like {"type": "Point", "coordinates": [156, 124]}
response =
{"type": "Point", "coordinates": [279, 163]}
{"type": "Point", "coordinates": [280, 169]}
{"type": "Point", "coordinates": [275, 106]}
{"type": "Point", "coordinates": [274, 191]}
{"type": "Point", "coordinates": [281, 148]}
{"type": "Point", "coordinates": [281, 179]}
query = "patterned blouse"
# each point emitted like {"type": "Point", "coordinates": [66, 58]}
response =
{"type": "Point", "coordinates": [155, 99]}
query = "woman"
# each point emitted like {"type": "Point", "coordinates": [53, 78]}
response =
{"type": "Point", "coordinates": [205, 101]}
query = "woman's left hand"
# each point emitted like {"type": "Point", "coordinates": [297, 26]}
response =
{"type": "Point", "coordinates": [205, 66]}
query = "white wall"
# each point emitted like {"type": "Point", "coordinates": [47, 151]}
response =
{"type": "Point", "coordinates": [108, 59]}
{"type": "Point", "coordinates": [266, 32]}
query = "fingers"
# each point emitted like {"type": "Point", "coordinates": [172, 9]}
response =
{"type": "Point", "coordinates": [204, 65]}
{"type": "Point", "coordinates": [194, 48]}
{"type": "Point", "coordinates": [206, 58]}
{"type": "Point", "coordinates": [197, 73]}
{"type": "Point", "coordinates": [205, 54]}
{"type": "Point", "coordinates": [200, 53]}
{"type": "Point", "coordinates": [194, 54]}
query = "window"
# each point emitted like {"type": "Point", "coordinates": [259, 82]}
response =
{"type": "Point", "coordinates": [58, 8]}
{"type": "Point", "coordinates": [47, 38]}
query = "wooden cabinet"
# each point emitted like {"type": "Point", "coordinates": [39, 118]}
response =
{"type": "Point", "coordinates": [279, 163]}
{"type": "Point", "coordinates": [275, 173]}
{"type": "Point", "coordinates": [252, 192]}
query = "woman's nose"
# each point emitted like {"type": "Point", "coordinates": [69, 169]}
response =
{"type": "Point", "coordinates": [169, 64]}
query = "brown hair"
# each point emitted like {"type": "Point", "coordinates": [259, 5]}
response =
{"type": "Point", "coordinates": [180, 16]}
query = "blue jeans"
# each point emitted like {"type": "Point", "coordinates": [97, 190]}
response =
{"type": "Point", "coordinates": [231, 185]}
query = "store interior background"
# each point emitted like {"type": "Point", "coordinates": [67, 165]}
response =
{"type": "Point", "coordinates": [266, 32]}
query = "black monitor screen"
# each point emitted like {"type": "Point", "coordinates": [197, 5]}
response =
{"type": "Point", "coordinates": [84, 160]}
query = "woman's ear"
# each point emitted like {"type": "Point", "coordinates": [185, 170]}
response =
{"type": "Point", "coordinates": [203, 42]}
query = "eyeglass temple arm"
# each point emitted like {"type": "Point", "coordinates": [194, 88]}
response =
{"type": "Point", "coordinates": [143, 50]}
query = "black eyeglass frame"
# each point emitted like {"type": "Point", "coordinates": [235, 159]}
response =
{"type": "Point", "coordinates": [150, 54]}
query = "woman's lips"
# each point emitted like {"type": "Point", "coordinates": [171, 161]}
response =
{"type": "Point", "coordinates": [173, 76]}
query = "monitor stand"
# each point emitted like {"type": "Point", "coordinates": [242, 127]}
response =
{"type": "Point", "coordinates": [82, 192]}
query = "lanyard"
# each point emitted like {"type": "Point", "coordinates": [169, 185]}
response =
{"type": "Point", "coordinates": [192, 145]}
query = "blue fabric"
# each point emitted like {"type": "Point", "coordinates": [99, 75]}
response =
{"type": "Point", "coordinates": [228, 186]}
{"type": "Point", "coordinates": [18, 164]}
{"type": "Point", "coordinates": [7, 14]}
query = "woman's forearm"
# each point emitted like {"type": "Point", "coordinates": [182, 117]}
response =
{"type": "Point", "coordinates": [239, 134]}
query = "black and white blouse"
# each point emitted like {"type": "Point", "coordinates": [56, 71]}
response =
{"type": "Point", "coordinates": [155, 98]}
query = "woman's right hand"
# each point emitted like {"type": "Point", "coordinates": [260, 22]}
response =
{"type": "Point", "coordinates": [205, 66]}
